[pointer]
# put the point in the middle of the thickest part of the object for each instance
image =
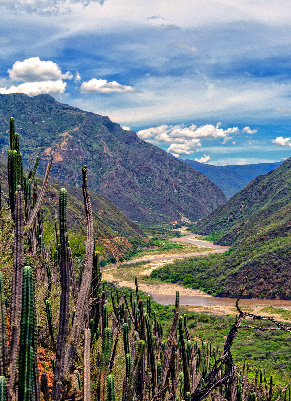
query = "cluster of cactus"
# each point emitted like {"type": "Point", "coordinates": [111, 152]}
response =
{"type": "Point", "coordinates": [106, 324]}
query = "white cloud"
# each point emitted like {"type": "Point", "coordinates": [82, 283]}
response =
{"type": "Point", "coordinates": [77, 77]}
{"type": "Point", "coordinates": [125, 128]}
{"type": "Point", "coordinates": [35, 70]}
{"type": "Point", "coordinates": [249, 131]}
{"type": "Point", "coordinates": [102, 86]}
{"type": "Point", "coordinates": [37, 88]}
{"type": "Point", "coordinates": [280, 141]}
{"type": "Point", "coordinates": [203, 159]}
{"type": "Point", "coordinates": [185, 140]}
{"type": "Point", "coordinates": [182, 148]}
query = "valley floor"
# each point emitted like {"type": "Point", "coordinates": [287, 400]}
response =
{"type": "Point", "coordinates": [123, 275]}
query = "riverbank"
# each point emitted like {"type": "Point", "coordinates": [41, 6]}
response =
{"type": "Point", "coordinates": [195, 300]}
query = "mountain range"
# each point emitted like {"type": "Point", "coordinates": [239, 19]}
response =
{"type": "Point", "coordinates": [256, 224]}
{"type": "Point", "coordinates": [144, 181]}
{"type": "Point", "coordinates": [232, 178]}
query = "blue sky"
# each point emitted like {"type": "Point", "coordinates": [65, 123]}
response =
{"type": "Point", "coordinates": [204, 79]}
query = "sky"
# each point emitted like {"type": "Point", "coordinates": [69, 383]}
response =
{"type": "Point", "coordinates": [203, 79]}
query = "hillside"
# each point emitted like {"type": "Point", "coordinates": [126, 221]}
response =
{"type": "Point", "coordinates": [256, 223]}
{"type": "Point", "coordinates": [111, 227]}
{"type": "Point", "coordinates": [232, 178]}
{"type": "Point", "coordinates": [144, 181]}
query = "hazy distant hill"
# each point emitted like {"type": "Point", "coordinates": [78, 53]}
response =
{"type": "Point", "coordinates": [232, 178]}
{"type": "Point", "coordinates": [256, 222]}
{"type": "Point", "coordinates": [144, 181]}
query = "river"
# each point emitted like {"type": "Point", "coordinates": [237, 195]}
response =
{"type": "Point", "coordinates": [189, 297]}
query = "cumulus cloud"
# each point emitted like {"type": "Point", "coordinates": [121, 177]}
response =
{"type": "Point", "coordinates": [37, 88]}
{"type": "Point", "coordinates": [185, 140]}
{"type": "Point", "coordinates": [125, 128]}
{"type": "Point", "coordinates": [249, 131]}
{"type": "Point", "coordinates": [203, 159]}
{"type": "Point", "coordinates": [102, 86]}
{"type": "Point", "coordinates": [280, 141]}
{"type": "Point", "coordinates": [35, 70]}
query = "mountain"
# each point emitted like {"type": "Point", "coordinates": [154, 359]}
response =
{"type": "Point", "coordinates": [256, 224]}
{"type": "Point", "coordinates": [144, 181]}
{"type": "Point", "coordinates": [232, 178]}
{"type": "Point", "coordinates": [111, 227]}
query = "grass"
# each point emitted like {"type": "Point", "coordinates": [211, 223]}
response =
{"type": "Point", "coordinates": [284, 313]}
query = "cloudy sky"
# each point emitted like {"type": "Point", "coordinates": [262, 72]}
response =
{"type": "Point", "coordinates": [203, 79]}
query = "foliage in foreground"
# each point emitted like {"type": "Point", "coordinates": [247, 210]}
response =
{"type": "Point", "coordinates": [91, 337]}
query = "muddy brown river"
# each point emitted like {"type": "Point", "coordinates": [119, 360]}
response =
{"type": "Point", "coordinates": [199, 300]}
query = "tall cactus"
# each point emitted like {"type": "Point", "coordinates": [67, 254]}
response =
{"type": "Point", "coordinates": [2, 388]}
{"type": "Point", "coordinates": [16, 298]}
{"type": "Point", "coordinates": [82, 307]}
{"type": "Point", "coordinates": [3, 334]}
{"type": "Point", "coordinates": [28, 345]}
{"type": "Point", "coordinates": [110, 388]}
{"type": "Point", "coordinates": [87, 395]}
{"type": "Point", "coordinates": [64, 302]}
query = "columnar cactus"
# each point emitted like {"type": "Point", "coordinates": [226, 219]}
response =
{"type": "Point", "coordinates": [50, 320]}
{"type": "Point", "coordinates": [16, 296]}
{"type": "Point", "coordinates": [87, 396]}
{"type": "Point", "coordinates": [2, 388]}
{"type": "Point", "coordinates": [64, 302]}
{"type": "Point", "coordinates": [3, 333]}
{"type": "Point", "coordinates": [110, 388]}
{"type": "Point", "coordinates": [28, 346]}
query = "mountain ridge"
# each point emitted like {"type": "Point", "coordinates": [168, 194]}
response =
{"type": "Point", "coordinates": [144, 181]}
{"type": "Point", "coordinates": [232, 178]}
{"type": "Point", "coordinates": [256, 224]}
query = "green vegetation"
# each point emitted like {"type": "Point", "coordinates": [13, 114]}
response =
{"type": "Point", "coordinates": [262, 268]}
{"type": "Point", "coordinates": [110, 344]}
{"type": "Point", "coordinates": [256, 223]}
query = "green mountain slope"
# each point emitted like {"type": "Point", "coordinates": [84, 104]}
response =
{"type": "Point", "coordinates": [232, 178]}
{"type": "Point", "coordinates": [111, 227]}
{"type": "Point", "coordinates": [256, 223]}
{"type": "Point", "coordinates": [144, 181]}
{"type": "Point", "coordinates": [262, 209]}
